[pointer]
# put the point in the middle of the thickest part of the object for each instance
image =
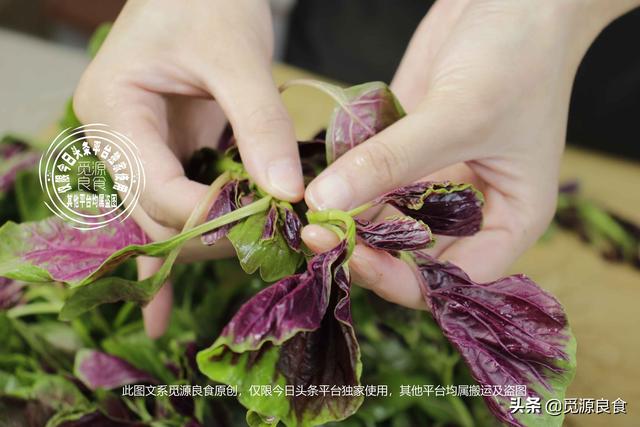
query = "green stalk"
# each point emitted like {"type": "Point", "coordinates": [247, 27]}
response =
{"type": "Point", "coordinates": [332, 219]}
{"type": "Point", "coordinates": [360, 209]}
{"type": "Point", "coordinates": [189, 231]}
{"type": "Point", "coordinates": [34, 308]}
{"type": "Point", "coordinates": [258, 206]}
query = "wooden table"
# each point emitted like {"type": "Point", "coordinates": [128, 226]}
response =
{"type": "Point", "coordinates": [601, 298]}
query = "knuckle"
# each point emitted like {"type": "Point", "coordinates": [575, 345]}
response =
{"type": "Point", "coordinates": [267, 119]}
{"type": "Point", "coordinates": [533, 219]}
{"type": "Point", "coordinates": [386, 163]}
{"type": "Point", "coordinates": [89, 94]}
{"type": "Point", "coordinates": [154, 209]}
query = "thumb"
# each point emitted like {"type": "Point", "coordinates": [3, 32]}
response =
{"type": "Point", "coordinates": [417, 145]}
{"type": "Point", "coordinates": [263, 129]}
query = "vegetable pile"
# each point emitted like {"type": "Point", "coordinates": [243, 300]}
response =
{"type": "Point", "coordinates": [616, 238]}
{"type": "Point", "coordinates": [294, 323]}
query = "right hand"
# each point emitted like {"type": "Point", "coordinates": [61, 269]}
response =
{"type": "Point", "coordinates": [168, 76]}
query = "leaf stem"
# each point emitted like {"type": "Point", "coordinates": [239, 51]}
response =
{"type": "Point", "coordinates": [330, 219]}
{"type": "Point", "coordinates": [166, 247]}
{"type": "Point", "coordinates": [259, 205]}
{"type": "Point", "coordinates": [34, 308]}
{"type": "Point", "coordinates": [361, 208]}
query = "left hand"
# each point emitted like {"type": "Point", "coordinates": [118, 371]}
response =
{"type": "Point", "coordinates": [486, 84]}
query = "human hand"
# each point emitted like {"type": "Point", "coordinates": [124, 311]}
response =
{"type": "Point", "coordinates": [486, 85]}
{"type": "Point", "coordinates": [166, 77]}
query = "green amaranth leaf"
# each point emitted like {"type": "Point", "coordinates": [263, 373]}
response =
{"type": "Point", "coordinates": [294, 333]}
{"type": "Point", "coordinates": [142, 352]}
{"type": "Point", "coordinates": [113, 289]}
{"type": "Point", "coordinates": [18, 248]}
{"type": "Point", "coordinates": [29, 197]}
{"type": "Point", "coordinates": [273, 257]}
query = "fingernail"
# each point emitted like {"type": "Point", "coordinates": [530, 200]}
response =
{"type": "Point", "coordinates": [331, 192]}
{"type": "Point", "coordinates": [282, 175]}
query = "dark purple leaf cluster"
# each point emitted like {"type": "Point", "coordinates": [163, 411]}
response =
{"type": "Point", "coordinates": [227, 201]}
{"type": "Point", "coordinates": [307, 317]}
{"type": "Point", "coordinates": [448, 209]}
{"type": "Point", "coordinates": [295, 303]}
{"type": "Point", "coordinates": [234, 195]}
{"type": "Point", "coordinates": [395, 234]}
{"type": "Point", "coordinates": [285, 220]}
{"type": "Point", "coordinates": [270, 224]}
{"type": "Point", "coordinates": [509, 332]}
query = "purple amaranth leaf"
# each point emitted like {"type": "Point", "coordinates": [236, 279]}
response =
{"type": "Point", "coordinates": [364, 111]}
{"type": "Point", "coordinates": [227, 201]}
{"type": "Point", "coordinates": [294, 303]}
{"type": "Point", "coordinates": [395, 234]}
{"type": "Point", "coordinates": [271, 224]}
{"type": "Point", "coordinates": [52, 249]}
{"type": "Point", "coordinates": [297, 332]}
{"type": "Point", "coordinates": [292, 229]}
{"type": "Point", "coordinates": [101, 370]}
{"type": "Point", "coordinates": [447, 208]}
{"type": "Point", "coordinates": [509, 332]}
{"type": "Point", "coordinates": [327, 355]}
{"type": "Point", "coordinates": [16, 157]}
{"type": "Point", "coordinates": [10, 293]}
{"type": "Point", "coordinates": [10, 146]}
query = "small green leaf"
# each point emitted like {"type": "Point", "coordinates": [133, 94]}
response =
{"type": "Point", "coordinates": [273, 257]}
{"type": "Point", "coordinates": [245, 370]}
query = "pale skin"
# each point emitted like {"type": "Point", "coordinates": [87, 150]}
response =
{"type": "Point", "coordinates": [486, 84]}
